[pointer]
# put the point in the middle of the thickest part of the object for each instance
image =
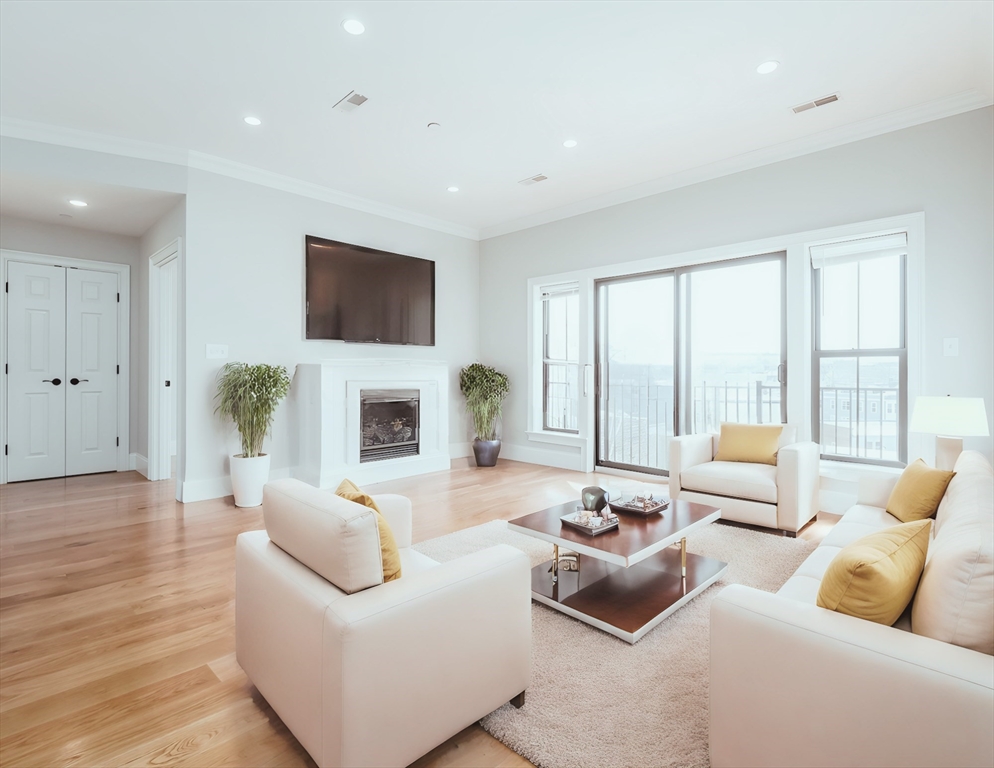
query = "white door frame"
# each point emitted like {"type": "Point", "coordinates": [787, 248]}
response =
{"type": "Point", "coordinates": [123, 272]}
{"type": "Point", "coordinates": [158, 430]}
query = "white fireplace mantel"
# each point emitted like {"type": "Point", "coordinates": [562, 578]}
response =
{"type": "Point", "coordinates": [324, 401]}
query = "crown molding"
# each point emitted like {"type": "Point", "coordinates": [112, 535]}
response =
{"type": "Point", "coordinates": [94, 142]}
{"type": "Point", "coordinates": [958, 103]}
{"type": "Point", "coordinates": [249, 173]}
{"type": "Point", "coordinates": [70, 137]}
{"type": "Point", "coordinates": [143, 150]}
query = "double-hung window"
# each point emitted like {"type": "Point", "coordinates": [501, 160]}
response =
{"type": "Point", "coordinates": [860, 358]}
{"type": "Point", "coordinates": [560, 357]}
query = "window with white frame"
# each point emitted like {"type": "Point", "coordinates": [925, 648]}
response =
{"type": "Point", "coordinates": [860, 362]}
{"type": "Point", "coordinates": [561, 357]}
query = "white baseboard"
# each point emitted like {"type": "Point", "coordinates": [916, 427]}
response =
{"type": "Point", "coordinates": [218, 487]}
{"type": "Point", "coordinates": [547, 457]}
{"type": "Point", "coordinates": [139, 464]}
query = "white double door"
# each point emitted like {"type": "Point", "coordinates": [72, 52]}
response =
{"type": "Point", "coordinates": [62, 371]}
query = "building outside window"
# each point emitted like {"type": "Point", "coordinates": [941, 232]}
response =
{"type": "Point", "coordinates": [860, 352]}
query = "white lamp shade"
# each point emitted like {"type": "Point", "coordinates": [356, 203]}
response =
{"type": "Point", "coordinates": [954, 416]}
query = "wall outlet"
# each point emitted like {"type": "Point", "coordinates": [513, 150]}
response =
{"type": "Point", "coordinates": [217, 351]}
{"type": "Point", "coordinates": [950, 347]}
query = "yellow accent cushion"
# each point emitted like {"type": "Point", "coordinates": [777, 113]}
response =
{"type": "Point", "coordinates": [755, 443]}
{"type": "Point", "coordinates": [918, 492]}
{"type": "Point", "coordinates": [388, 545]}
{"type": "Point", "coordinates": [875, 577]}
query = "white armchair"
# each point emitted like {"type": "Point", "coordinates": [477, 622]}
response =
{"type": "Point", "coordinates": [377, 675]}
{"type": "Point", "coordinates": [784, 496]}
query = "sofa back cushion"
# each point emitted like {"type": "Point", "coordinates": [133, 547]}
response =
{"type": "Point", "coordinates": [335, 538]}
{"type": "Point", "coordinates": [753, 443]}
{"type": "Point", "coordinates": [389, 553]}
{"type": "Point", "coordinates": [955, 600]}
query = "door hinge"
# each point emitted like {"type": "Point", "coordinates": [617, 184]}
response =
{"type": "Point", "coordinates": [5, 450]}
{"type": "Point", "coordinates": [118, 442]}
{"type": "Point", "coordinates": [118, 298]}
{"type": "Point", "coordinates": [119, 369]}
{"type": "Point", "coordinates": [6, 287]}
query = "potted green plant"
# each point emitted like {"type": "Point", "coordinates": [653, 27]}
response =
{"type": "Point", "coordinates": [248, 395]}
{"type": "Point", "coordinates": [485, 389]}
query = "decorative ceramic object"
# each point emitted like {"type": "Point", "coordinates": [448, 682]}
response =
{"type": "Point", "coordinates": [486, 452]}
{"type": "Point", "coordinates": [594, 498]}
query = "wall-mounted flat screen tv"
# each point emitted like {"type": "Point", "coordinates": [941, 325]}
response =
{"type": "Point", "coordinates": [364, 295]}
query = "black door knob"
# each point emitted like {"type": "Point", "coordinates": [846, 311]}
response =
{"type": "Point", "coordinates": [74, 381]}
{"type": "Point", "coordinates": [56, 382]}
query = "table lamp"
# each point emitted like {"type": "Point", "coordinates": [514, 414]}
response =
{"type": "Point", "coordinates": [950, 419]}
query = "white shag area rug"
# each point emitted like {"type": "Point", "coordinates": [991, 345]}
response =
{"type": "Point", "coordinates": [646, 705]}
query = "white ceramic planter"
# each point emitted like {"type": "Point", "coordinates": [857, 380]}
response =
{"type": "Point", "coordinates": [247, 478]}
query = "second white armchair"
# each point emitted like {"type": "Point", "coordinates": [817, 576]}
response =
{"type": "Point", "coordinates": [782, 496]}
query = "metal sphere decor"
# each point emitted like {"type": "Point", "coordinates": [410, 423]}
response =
{"type": "Point", "coordinates": [594, 499]}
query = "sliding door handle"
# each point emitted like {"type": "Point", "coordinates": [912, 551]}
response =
{"type": "Point", "coordinates": [56, 382]}
{"type": "Point", "coordinates": [74, 382]}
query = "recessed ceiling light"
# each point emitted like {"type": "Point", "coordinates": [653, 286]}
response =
{"type": "Point", "coordinates": [78, 203]}
{"type": "Point", "coordinates": [353, 26]}
{"type": "Point", "coordinates": [767, 66]}
{"type": "Point", "coordinates": [569, 143]}
{"type": "Point", "coordinates": [253, 120]}
{"type": "Point", "coordinates": [453, 189]}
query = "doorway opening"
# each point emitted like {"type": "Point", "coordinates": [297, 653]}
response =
{"type": "Point", "coordinates": [163, 361]}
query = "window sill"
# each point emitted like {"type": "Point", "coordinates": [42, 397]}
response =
{"type": "Point", "coordinates": [851, 471]}
{"type": "Point", "coordinates": [557, 438]}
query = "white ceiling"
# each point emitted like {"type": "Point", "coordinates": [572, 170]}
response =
{"type": "Point", "coordinates": [650, 90]}
{"type": "Point", "coordinates": [119, 210]}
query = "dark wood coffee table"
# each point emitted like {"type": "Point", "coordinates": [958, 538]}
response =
{"type": "Point", "coordinates": [624, 581]}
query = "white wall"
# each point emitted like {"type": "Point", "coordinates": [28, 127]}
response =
{"type": "Point", "coordinates": [944, 168]}
{"type": "Point", "coordinates": [18, 234]}
{"type": "Point", "coordinates": [171, 226]}
{"type": "Point", "coordinates": [245, 288]}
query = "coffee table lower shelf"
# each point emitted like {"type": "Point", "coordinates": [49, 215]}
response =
{"type": "Point", "coordinates": [626, 602]}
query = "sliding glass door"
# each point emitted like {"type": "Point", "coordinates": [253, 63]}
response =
{"type": "Point", "coordinates": [682, 351]}
{"type": "Point", "coordinates": [635, 372]}
{"type": "Point", "coordinates": [737, 343]}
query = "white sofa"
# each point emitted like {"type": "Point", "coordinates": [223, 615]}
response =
{"type": "Point", "coordinates": [784, 496]}
{"type": "Point", "coordinates": [374, 675]}
{"type": "Point", "coordinates": [793, 684]}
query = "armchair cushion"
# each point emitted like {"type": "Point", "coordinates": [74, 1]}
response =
{"type": "Point", "coordinates": [335, 538]}
{"type": "Point", "coordinates": [737, 479]}
{"type": "Point", "coordinates": [753, 443]}
{"type": "Point", "coordinates": [388, 546]}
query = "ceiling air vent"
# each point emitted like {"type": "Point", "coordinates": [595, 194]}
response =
{"type": "Point", "coordinates": [533, 179]}
{"type": "Point", "coordinates": [350, 101]}
{"type": "Point", "coordinates": [816, 103]}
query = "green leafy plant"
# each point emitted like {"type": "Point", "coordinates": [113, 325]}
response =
{"type": "Point", "coordinates": [248, 395]}
{"type": "Point", "coordinates": [485, 389]}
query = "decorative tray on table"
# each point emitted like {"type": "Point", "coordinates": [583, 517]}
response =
{"type": "Point", "coordinates": [595, 525]}
{"type": "Point", "coordinates": [639, 505]}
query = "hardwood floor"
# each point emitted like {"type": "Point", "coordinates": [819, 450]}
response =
{"type": "Point", "coordinates": [117, 618]}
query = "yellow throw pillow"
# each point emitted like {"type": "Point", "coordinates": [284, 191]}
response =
{"type": "Point", "coordinates": [388, 545]}
{"type": "Point", "coordinates": [918, 492]}
{"type": "Point", "coordinates": [875, 577]}
{"type": "Point", "coordinates": [755, 443]}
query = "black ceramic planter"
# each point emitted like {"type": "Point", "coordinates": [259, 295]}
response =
{"type": "Point", "coordinates": [486, 452]}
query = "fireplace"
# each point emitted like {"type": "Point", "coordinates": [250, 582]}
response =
{"type": "Point", "coordinates": [390, 423]}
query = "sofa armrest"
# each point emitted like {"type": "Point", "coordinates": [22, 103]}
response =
{"type": "Point", "coordinates": [875, 489]}
{"type": "Point", "coordinates": [798, 481]}
{"type": "Point", "coordinates": [793, 684]}
{"type": "Point", "coordinates": [688, 451]}
{"type": "Point", "coordinates": [453, 641]}
{"type": "Point", "coordinates": [396, 510]}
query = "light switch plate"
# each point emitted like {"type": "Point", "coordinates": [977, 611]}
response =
{"type": "Point", "coordinates": [950, 347]}
{"type": "Point", "coordinates": [217, 351]}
